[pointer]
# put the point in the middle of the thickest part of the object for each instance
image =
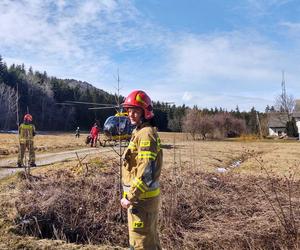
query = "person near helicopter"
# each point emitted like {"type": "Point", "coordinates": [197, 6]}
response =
{"type": "Point", "coordinates": [77, 132]}
{"type": "Point", "coordinates": [142, 163]}
{"type": "Point", "coordinates": [94, 135]}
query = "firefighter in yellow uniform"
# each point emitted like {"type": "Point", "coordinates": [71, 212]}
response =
{"type": "Point", "coordinates": [26, 134]}
{"type": "Point", "coordinates": [140, 174]}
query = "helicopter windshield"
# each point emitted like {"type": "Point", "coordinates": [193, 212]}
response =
{"type": "Point", "coordinates": [117, 125]}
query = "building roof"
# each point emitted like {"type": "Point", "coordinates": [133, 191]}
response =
{"type": "Point", "coordinates": [296, 112]}
{"type": "Point", "coordinates": [297, 106]}
{"type": "Point", "coordinates": [277, 120]}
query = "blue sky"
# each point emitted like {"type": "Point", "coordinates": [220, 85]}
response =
{"type": "Point", "coordinates": [213, 53]}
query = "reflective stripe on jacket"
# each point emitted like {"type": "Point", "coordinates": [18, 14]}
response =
{"type": "Point", "coordinates": [142, 163]}
{"type": "Point", "coordinates": [26, 132]}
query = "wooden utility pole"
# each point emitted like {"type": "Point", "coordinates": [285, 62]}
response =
{"type": "Point", "coordinates": [117, 98]}
{"type": "Point", "coordinates": [259, 126]}
{"type": "Point", "coordinates": [120, 150]}
{"type": "Point", "coordinates": [17, 103]}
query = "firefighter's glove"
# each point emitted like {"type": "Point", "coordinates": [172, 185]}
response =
{"type": "Point", "coordinates": [125, 203]}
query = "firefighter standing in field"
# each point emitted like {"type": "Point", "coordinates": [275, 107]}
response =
{"type": "Point", "coordinates": [26, 134]}
{"type": "Point", "coordinates": [140, 174]}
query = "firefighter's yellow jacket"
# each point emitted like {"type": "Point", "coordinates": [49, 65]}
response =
{"type": "Point", "coordinates": [26, 132]}
{"type": "Point", "coordinates": [142, 163]}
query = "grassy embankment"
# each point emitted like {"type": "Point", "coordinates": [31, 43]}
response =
{"type": "Point", "coordinates": [252, 206]}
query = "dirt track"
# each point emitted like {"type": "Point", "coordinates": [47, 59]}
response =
{"type": "Point", "coordinates": [8, 165]}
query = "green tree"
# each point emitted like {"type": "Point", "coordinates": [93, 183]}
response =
{"type": "Point", "coordinates": [291, 128]}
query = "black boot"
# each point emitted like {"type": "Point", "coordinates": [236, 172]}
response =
{"type": "Point", "coordinates": [32, 165]}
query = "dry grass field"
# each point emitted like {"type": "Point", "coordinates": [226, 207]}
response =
{"type": "Point", "coordinates": [279, 157]}
{"type": "Point", "coordinates": [253, 203]}
{"type": "Point", "coordinates": [43, 143]}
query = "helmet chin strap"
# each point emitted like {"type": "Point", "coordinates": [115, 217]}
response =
{"type": "Point", "coordinates": [142, 120]}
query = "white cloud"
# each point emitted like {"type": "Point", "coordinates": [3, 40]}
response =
{"type": "Point", "coordinates": [73, 38]}
{"type": "Point", "coordinates": [291, 25]}
{"type": "Point", "coordinates": [88, 40]}
{"type": "Point", "coordinates": [268, 3]}
{"type": "Point", "coordinates": [204, 99]}
{"type": "Point", "coordinates": [187, 96]}
{"type": "Point", "coordinates": [292, 32]}
{"type": "Point", "coordinates": [226, 70]}
{"type": "Point", "coordinates": [60, 5]}
{"type": "Point", "coordinates": [264, 7]}
{"type": "Point", "coordinates": [232, 56]}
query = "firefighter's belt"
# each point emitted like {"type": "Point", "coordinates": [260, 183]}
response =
{"type": "Point", "coordinates": [24, 140]}
{"type": "Point", "coordinates": [147, 194]}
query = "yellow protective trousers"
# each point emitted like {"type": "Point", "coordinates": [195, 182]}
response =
{"type": "Point", "coordinates": [142, 224]}
{"type": "Point", "coordinates": [29, 145]}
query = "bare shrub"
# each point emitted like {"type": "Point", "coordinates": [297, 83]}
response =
{"type": "Point", "coordinates": [81, 209]}
{"type": "Point", "coordinates": [205, 126]}
{"type": "Point", "coordinates": [219, 126]}
{"type": "Point", "coordinates": [8, 106]}
{"type": "Point", "coordinates": [225, 212]}
{"type": "Point", "coordinates": [199, 210]}
{"type": "Point", "coordinates": [190, 122]}
{"type": "Point", "coordinates": [227, 125]}
{"type": "Point", "coordinates": [284, 212]}
{"type": "Point", "coordinates": [285, 103]}
{"type": "Point", "coordinates": [238, 127]}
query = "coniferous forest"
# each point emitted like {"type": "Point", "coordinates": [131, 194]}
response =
{"type": "Point", "coordinates": [23, 91]}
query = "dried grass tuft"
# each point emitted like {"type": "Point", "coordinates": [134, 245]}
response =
{"type": "Point", "coordinates": [199, 210]}
{"type": "Point", "coordinates": [210, 211]}
{"type": "Point", "coordinates": [71, 207]}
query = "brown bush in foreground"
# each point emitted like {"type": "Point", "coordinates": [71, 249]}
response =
{"type": "Point", "coordinates": [63, 205]}
{"type": "Point", "coordinates": [229, 212]}
{"type": "Point", "coordinates": [199, 210]}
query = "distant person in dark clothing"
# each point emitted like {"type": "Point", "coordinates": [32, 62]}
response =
{"type": "Point", "coordinates": [77, 132]}
{"type": "Point", "coordinates": [94, 134]}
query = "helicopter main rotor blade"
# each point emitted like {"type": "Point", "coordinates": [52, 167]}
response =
{"type": "Point", "coordinates": [104, 107]}
{"type": "Point", "coordinates": [63, 103]}
{"type": "Point", "coordinates": [91, 103]}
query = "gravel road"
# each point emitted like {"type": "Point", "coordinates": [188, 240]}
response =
{"type": "Point", "coordinates": [8, 165]}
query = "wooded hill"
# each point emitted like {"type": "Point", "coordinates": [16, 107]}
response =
{"type": "Point", "coordinates": [40, 94]}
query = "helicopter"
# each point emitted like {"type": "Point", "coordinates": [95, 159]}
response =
{"type": "Point", "coordinates": [116, 128]}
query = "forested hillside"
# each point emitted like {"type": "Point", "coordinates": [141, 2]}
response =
{"type": "Point", "coordinates": [41, 94]}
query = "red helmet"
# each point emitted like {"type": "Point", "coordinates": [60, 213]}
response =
{"type": "Point", "coordinates": [28, 118]}
{"type": "Point", "coordinates": [139, 98]}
